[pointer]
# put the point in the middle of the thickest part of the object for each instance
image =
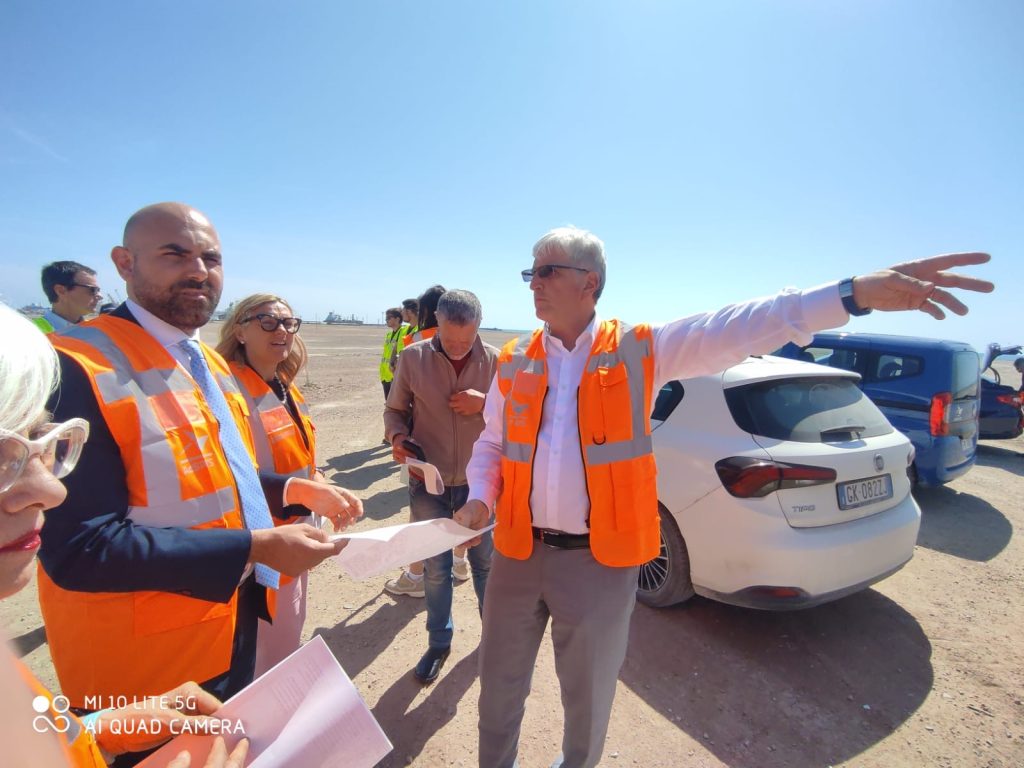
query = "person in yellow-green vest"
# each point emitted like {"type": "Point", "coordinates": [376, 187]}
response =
{"type": "Point", "coordinates": [392, 346]}
{"type": "Point", "coordinates": [73, 292]}
{"type": "Point", "coordinates": [410, 313]}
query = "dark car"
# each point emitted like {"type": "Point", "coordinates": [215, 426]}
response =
{"type": "Point", "coordinates": [929, 389]}
{"type": "Point", "coordinates": [1001, 416]}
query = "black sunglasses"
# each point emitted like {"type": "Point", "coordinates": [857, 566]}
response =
{"type": "Point", "coordinates": [270, 323]}
{"type": "Point", "coordinates": [95, 290]}
{"type": "Point", "coordinates": [547, 270]}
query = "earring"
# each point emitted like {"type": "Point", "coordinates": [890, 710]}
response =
{"type": "Point", "coordinates": [241, 341]}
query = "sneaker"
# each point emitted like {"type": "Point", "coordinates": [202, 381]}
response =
{"type": "Point", "coordinates": [404, 585]}
{"type": "Point", "coordinates": [460, 569]}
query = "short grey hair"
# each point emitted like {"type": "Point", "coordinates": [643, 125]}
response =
{"type": "Point", "coordinates": [28, 371]}
{"type": "Point", "coordinates": [460, 307]}
{"type": "Point", "coordinates": [582, 248]}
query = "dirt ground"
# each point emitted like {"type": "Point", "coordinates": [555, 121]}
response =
{"type": "Point", "coordinates": [924, 669]}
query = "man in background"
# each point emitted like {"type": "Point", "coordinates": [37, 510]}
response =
{"type": "Point", "coordinates": [410, 313]}
{"type": "Point", "coordinates": [73, 292]}
{"type": "Point", "coordinates": [392, 345]}
{"type": "Point", "coordinates": [441, 382]}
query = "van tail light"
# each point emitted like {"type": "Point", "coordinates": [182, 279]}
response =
{"type": "Point", "coordinates": [1016, 399]}
{"type": "Point", "coordinates": [938, 415]}
{"type": "Point", "coordinates": [747, 477]}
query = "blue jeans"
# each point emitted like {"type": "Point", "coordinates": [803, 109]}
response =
{"type": "Point", "coordinates": [437, 570]}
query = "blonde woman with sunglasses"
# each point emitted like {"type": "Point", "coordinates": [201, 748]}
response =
{"type": "Point", "coordinates": [261, 342]}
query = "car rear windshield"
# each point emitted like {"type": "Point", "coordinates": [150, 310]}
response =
{"type": "Point", "coordinates": [965, 375]}
{"type": "Point", "coordinates": [806, 410]}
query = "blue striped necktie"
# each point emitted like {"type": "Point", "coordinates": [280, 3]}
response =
{"type": "Point", "coordinates": [250, 493]}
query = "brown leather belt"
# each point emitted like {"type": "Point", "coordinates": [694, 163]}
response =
{"type": "Point", "coordinates": [560, 540]}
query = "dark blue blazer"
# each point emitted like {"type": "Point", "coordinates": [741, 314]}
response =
{"type": "Point", "coordinates": [90, 545]}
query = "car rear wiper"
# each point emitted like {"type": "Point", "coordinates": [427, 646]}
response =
{"type": "Point", "coordinates": [851, 428]}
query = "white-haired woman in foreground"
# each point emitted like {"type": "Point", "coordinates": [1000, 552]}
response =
{"type": "Point", "coordinates": [36, 728]}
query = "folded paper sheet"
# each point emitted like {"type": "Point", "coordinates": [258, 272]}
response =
{"type": "Point", "coordinates": [303, 712]}
{"type": "Point", "coordinates": [371, 553]}
{"type": "Point", "coordinates": [431, 477]}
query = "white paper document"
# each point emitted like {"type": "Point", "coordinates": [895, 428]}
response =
{"type": "Point", "coordinates": [303, 712]}
{"type": "Point", "coordinates": [371, 553]}
{"type": "Point", "coordinates": [431, 477]}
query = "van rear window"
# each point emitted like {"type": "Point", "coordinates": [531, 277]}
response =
{"type": "Point", "coordinates": [806, 410]}
{"type": "Point", "coordinates": [965, 375]}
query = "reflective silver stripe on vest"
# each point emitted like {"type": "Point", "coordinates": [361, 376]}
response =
{"type": "Point", "coordinates": [631, 352]}
{"type": "Point", "coordinates": [185, 514]}
{"type": "Point", "coordinates": [516, 451]}
{"type": "Point", "coordinates": [164, 505]}
{"type": "Point", "coordinates": [520, 362]}
{"type": "Point", "coordinates": [227, 384]}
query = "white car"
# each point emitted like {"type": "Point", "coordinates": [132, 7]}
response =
{"type": "Point", "coordinates": [780, 486]}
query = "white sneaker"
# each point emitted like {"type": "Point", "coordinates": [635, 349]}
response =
{"type": "Point", "coordinates": [404, 585]}
{"type": "Point", "coordinates": [460, 569]}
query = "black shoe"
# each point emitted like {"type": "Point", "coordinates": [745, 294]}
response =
{"type": "Point", "coordinates": [429, 666]}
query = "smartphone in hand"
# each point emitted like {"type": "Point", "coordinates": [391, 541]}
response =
{"type": "Point", "coordinates": [415, 449]}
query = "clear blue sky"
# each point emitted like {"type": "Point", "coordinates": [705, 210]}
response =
{"type": "Point", "coordinates": [353, 153]}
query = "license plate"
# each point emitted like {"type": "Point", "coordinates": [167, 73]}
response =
{"type": "Point", "coordinates": [868, 490]}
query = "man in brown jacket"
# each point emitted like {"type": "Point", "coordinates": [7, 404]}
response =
{"type": "Point", "coordinates": [443, 380]}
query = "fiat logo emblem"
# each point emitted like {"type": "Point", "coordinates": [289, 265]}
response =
{"type": "Point", "coordinates": [879, 462]}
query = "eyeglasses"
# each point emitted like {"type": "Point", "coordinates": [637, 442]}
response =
{"type": "Point", "coordinates": [60, 447]}
{"type": "Point", "coordinates": [95, 290]}
{"type": "Point", "coordinates": [547, 270]}
{"type": "Point", "coordinates": [270, 323]}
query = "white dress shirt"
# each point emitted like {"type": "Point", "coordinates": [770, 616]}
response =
{"type": "Point", "coordinates": [692, 346]}
{"type": "Point", "coordinates": [165, 333]}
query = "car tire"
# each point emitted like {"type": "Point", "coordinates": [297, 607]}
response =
{"type": "Point", "coordinates": [665, 580]}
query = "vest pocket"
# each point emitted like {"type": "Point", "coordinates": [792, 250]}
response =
{"type": "Point", "coordinates": [616, 405]}
{"type": "Point", "coordinates": [634, 488]}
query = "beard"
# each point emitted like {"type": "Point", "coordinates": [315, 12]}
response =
{"type": "Point", "coordinates": [175, 308]}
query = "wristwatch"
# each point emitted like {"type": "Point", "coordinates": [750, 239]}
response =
{"type": "Point", "coordinates": [846, 294]}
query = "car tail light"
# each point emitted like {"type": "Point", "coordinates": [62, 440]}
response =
{"type": "Point", "coordinates": [747, 477]}
{"type": "Point", "coordinates": [938, 415]}
{"type": "Point", "coordinates": [1016, 400]}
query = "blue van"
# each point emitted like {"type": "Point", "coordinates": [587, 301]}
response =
{"type": "Point", "coordinates": [928, 389]}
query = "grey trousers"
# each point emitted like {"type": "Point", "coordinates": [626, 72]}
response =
{"type": "Point", "coordinates": [589, 605]}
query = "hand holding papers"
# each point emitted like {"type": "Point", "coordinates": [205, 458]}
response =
{"type": "Point", "coordinates": [371, 553]}
{"type": "Point", "coordinates": [303, 712]}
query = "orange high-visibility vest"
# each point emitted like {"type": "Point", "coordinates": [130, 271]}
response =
{"type": "Point", "coordinates": [614, 409]}
{"type": "Point", "coordinates": [144, 643]}
{"type": "Point", "coordinates": [279, 446]}
{"type": "Point", "coordinates": [78, 743]}
{"type": "Point", "coordinates": [418, 335]}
